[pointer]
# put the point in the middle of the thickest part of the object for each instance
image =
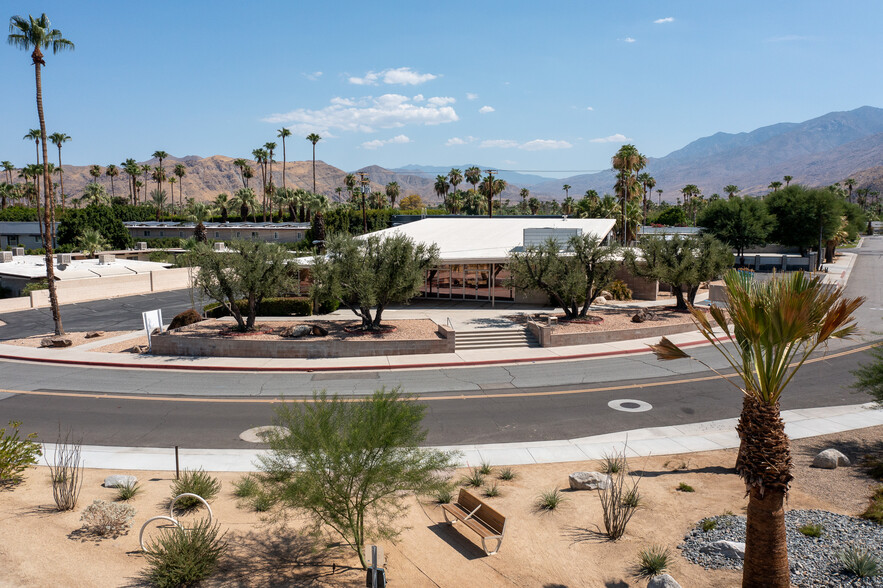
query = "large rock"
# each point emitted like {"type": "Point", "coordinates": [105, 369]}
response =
{"type": "Point", "coordinates": [829, 459]}
{"type": "Point", "coordinates": [55, 342]}
{"type": "Point", "coordinates": [643, 315]}
{"type": "Point", "coordinates": [727, 549]}
{"type": "Point", "coordinates": [188, 317]}
{"type": "Point", "coordinates": [119, 480]}
{"type": "Point", "coordinates": [318, 331]}
{"type": "Point", "coordinates": [94, 334]}
{"type": "Point", "coordinates": [663, 581]}
{"type": "Point", "coordinates": [600, 300]}
{"type": "Point", "coordinates": [589, 481]}
{"type": "Point", "coordinates": [296, 331]}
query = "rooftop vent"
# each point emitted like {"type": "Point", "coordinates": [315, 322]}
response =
{"type": "Point", "coordinates": [5, 256]}
{"type": "Point", "coordinates": [538, 236]}
{"type": "Point", "coordinates": [105, 258]}
{"type": "Point", "coordinates": [141, 245]}
{"type": "Point", "coordinates": [63, 259]}
{"type": "Point", "coordinates": [18, 251]}
{"type": "Point", "coordinates": [219, 246]}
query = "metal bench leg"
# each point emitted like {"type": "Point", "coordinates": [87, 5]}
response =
{"type": "Point", "coordinates": [484, 545]}
{"type": "Point", "coordinates": [447, 520]}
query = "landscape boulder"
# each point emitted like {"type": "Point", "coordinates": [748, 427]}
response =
{"type": "Point", "coordinates": [605, 294]}
{"type": "Point", "coordinates": [643, 315]}
{"type": "Point", "coordinates": [727, 549]}
{"type": "Point", "coordinates": [829, 459]}
{"type": "Point", "coordinates": [600, 300]}
{"type": "Point", "coordinates": [94, 334]}
{"type": "Point", "coordinates": [119, 480]}
{"type": "Point", "coordinates": [188, 317]}
{"type": "Point", "coordinates": [589, 481]}
{"type": "Point", "coordinates": [296, 331]}
{"type": "Point", "coordinates": [319, 331]}
{"type": "Point", "coordinates": [55, 342]}
{"type": "Point", "coordinates": [663, 581]}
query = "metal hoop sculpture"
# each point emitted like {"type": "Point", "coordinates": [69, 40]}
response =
{"type": "Point", "coordinates": [148, 521]}
{"type": "Point", "coordinates": [211, 517]}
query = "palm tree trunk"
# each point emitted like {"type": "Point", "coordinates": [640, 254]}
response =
{"type": "Point", "coordinates": [764, 462]}
{"type": "Point", "coordinates": [47, 240]}
{"type": "Point", "coordinates": [283, 165]}
{"type": "Point", "coordinates": [61, 176]}
{"type": "Point", "coordinates": [314, 168]}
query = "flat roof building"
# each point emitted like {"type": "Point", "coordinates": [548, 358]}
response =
{"type": "Point", "coordinates": [271, 232]}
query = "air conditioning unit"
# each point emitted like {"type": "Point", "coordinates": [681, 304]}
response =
{"type": "Point", "coordinates": [5, 256]}
{"type": "Point", "coordinates": [141, 245]}
{"type": "Point", "coordinates": [63, 259]}
{"type": "Point", "coordinates": [219, 246]}
{"type": "Point", "coordinates": [104, 258]}
{"type": "Point", "coordinates": [18, 251]}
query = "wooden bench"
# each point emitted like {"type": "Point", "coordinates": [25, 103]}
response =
{"type": "Point", "coordinates": [478, 516]}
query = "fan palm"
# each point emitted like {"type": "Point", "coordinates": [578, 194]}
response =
{"type": "Point", "coordinates": [314, 138]}
{"type": "Point", "coordinates": [180, 171]}
{"type": "Point", "coordinates": [8, 168]}
{"type": "Point", "coordinates": [95, 193]}
{"type": "Point", "coordinates": [146, 170]}
{"type": "Point", "coordinates": [850, 184]}
{"type": "Point", "coordinates": [35, 34]}
{"type": "Point", "coordinates": [392, 192]}
{"type": "Point", "coordinates": [282, 134]}
{"type": "Point", "coordinates": [241, 164]}
{"type": "Point", "coordinates": [566, 188]}
{"type": "Point", "coordinates": [473, 176]}
{"type": "Point", "coordinates": [91, 241]}
{"type": "Point", "coordinates": [247, 201]}
{"type": "Point", "coordinates": [58, 139]}
{"type": "Point", "coordinates": [788, 180]}
{"type": "Point", "coordinates": [731, 190]}
{"type": "Point", "coordinates": [158, 199]}
{"type": "Point", "coordinates": [132, 170]}
{"type": "Point", "coordinates": [776, 326]}
{"type": "Point", "coordinates": [112, 171]}
{"type": "Point", "coordinates": [350, 182]}
{"type": "Point", "coordinates": [628, 161]}
{"type": "Point", "coordinates": [525, 194]}
{"type": "Point", "coordinates": [774, 186]}
{"type": "Point", "coordinates": [160, 155]}
{"type": "Point", "coordinates": [441, 188]}
{"type": "Point", "coordinates": [455, 178]}
{"type": "Point", "coordinates": [222, 201]}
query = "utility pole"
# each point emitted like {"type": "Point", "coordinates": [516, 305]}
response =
{"type": "Point", "coordinates": [364, 184]}
{"type": "Point", "coordinates": [490, 185]}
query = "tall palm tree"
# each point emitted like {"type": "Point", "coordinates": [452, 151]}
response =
{"type": "Point", "coordinates": [158, 198]}
{"type": "Point", "coordinates": [95, 193]}
{"type": "Point", "coordinates": [132, 170]}
{"type": "Point", "coordinates": [241, 164]}
{"type": "Point", "coordinates": [247, 201]}
{"type": "Point", "coordinates": [473, 176]}
{"type": "Point", "coordinates": [222, 202]}
{"type": "Point", "coordinates": [850, 184]}
{"type": "Point", "coordinates": [8, 168]}
{"type": "Point", "coordinates": [350, 182]}
{"type": "Point", "coordinates": [788, 180]}
{"type": "Point", "coordinates": [95, 172]}
{"type": "Point", "coordinates": [160, 155]}
{"type": "Point", "coordinates": [567, 206]}
{"type": "Point", "coordinates": [338, 190]}
{"type": "Point", "coordinates": [112, 171]}
{"type": "Point", "coordinates": [775, 186]}
{"type": "Point", "coordinates": [525, 194]}
{"type": "Point", "coordinates": [282, 133]}
{"type": "Point", "coordinates": [455, 178]}
{"type": "Point", "coordinates": [180, 171]}
{"type": "Point", "coordinates": [628, 161]}
{"type": "Point", "coordinates": [659, 194]}
{"type": "Point", "coordinates": [35, 34]}
{"type": "Point", "coordinates": [441, 188]}
{"type": "Point", "coordinates": [776, 326]}
{"type": "Point", "coordinates": [261, 157]}
{"type": "Point", "coordinates": [314, 138]}
{"type": "Point", "coordinates": [58, 139]}
{"type": "Point", "coordinates": [247, 174]}
{"type": "Point", "coordinates": [392, 192]}
{"type": "Point", "coordinates": [731, 190]}
{"type": "Point", "coordinates": [566, 188]}
{"type": "Point", "coordinates": [146, 170]}
{"type": "Point", "coordinates": [35, 136]}
{"type": "Point", "coordinates": [172, 181]}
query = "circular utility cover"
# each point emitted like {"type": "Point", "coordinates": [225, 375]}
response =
{"type": "Point", "coordinates": [258, 434]}
{"type": "Point", "coordinates": [629, 405]}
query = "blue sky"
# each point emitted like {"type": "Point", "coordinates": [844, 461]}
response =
{"type": "Point", "coordinates": [549, 86]}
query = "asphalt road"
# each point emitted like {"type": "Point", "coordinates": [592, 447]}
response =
{"type": "Point", "coordinates": [523, 402]}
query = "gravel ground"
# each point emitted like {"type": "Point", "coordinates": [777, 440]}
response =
{"type": "Point", "coordinates": [814, 561]}
{"type": "Point", "coordinates": [615, 320]}
{"type": "Point", "coordinates": [405, 329]}
{"type": "Point", "coordinates": [77, 338]}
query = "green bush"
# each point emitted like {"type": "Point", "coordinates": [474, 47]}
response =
{"type": "Point", "coordinates": [492, 491]}
{"type": "Point", "coordinates": [485, 468]}
{"type": "Point", "coordinates": [16, 453]}
{"type": "Point", "coordinates": [708, 525]}
{"type": "Point", "coordinates": [859, 562]}
{"type": "Point", "coordinates": [474, 478]}
{"type": "Point", "coordinates": [550, 500]}
{"type": "Point", "coordinates": [32, 286]}
{"type": "Point", "coordinates": [444, 496]}
{"type": "Point", "coordinates": [195, 482]}
{"type": "Point", "coordinates": [619, 290]}
{"type": "Point", "coordinates": [507, 474]}
{"type": "Point", "coordinates": [262, 502]}
{"type": "Point", "coordinates": [684, 487]}
{"type": "Point", "coordinates": [874, 512]}
{"type": "Point", "coordinates": [653, 561]}
{"type": "Point", "coordinates": [811, 530]}
{"type": "Point", "coordinates": [246, 487]}
{"type": "Point", "coordinates": [184, 557]}
{"type": "Point", "coordinates": [128, 491]}
{"type": "Point", "coordinates": [299, 306]}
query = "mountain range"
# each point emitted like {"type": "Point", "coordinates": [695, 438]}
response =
{"type": "Point", "coordinates": [816, 152]}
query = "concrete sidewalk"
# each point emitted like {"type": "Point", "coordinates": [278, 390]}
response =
{"type": "Point", "coordinates": [681, 439]}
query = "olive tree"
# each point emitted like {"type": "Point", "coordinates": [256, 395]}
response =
{"type": "Point", "coordinates": [681, 262]}
{"type": "Point", "coordinates": [367, 274]}
{"type": "Point", "coordinates": [351, 465]}
{"type": "Point", "coordinates": [250, 270]}
{"type": "Point", "coordinates": [572, 275]}
{"type": "Point", "coordinates": [739, 222]}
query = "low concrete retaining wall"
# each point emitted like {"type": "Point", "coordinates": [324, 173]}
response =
{"type": "Point", "coordinates": [172, 344]}
{"type": "Point", "coordinates": [547, 336]}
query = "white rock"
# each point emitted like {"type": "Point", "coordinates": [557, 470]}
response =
{"type": "Point", "coordinates": [728, 549]}
{"type": "Point", "coordinates": [589, 481]}
{"type": "Point", "coordinates": [600, 300]}
{"type": "Point", "coordinates": [663, 581]}
{"type": "Point", "coordinates": [119, 480]}
{"type": "Point", "coordinates": [829, 459]}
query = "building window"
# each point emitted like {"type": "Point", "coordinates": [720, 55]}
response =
{"type": "Point", "coordinates": [217, 234]}
{"type": "Point", "coordinates": [299, 235]}
{"type": "Point", "coordinates": [180, 233]}
{"type": "Point", "coordinates": [146, 233]}
{"type": "Point", "coordinates": [237, 234]}
{"type": "Point", "coordinates": [275, 234]}
{"type": "Point", "coordinates": [162, 233]}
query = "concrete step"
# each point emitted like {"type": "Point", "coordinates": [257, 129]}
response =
{"type": "Point", "coordinates": [495, 339]}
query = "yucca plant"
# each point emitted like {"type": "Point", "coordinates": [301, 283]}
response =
{"type": "Point", "coordinates": [776, 326]}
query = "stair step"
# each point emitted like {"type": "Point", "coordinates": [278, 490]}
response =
{"type": "Point", "coordinates": [495, 339]}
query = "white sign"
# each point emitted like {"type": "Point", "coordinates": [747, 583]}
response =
{"type": "Point", "coordinates": [152, 320]}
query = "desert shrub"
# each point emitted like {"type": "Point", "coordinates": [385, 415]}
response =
{"type": "Point", "coordinates": [299, 306]}
{"type": "Point", "coordinates": [507, 474]}
{"type": "Point", "coordinates": [874, 512]}
{"type": "Point", "coordinates": [616, 502]}
{"type": "Point", "coordinates": [684, 487]}
{"type": "Point", "coordinates": [485, 468]}
{"type": "Point", "coordinates": [195, 482]}
{"type": "Point", "coordinates": [860, 562]}
{"type": "Point", "coordinates": [128, 491]}
{"type": "Point", "coordinates": [619, 290]}
{"type": "Point", "coordinates": [16, 453]}
{"type": "Point", "coordinates": [184, 557]}
{"type": "Point", "coordinates": [614, 463]}
{"type": "Point", "coordinates": [474, 478]}
{"type": "Point", "coordinates": [874, 465]}
{"type": "Point", "coordinates": [708, 525]}
{"type": "Point", "coordinates": [811, 530]}
{"type": "Point", "coordinates": [262, 502]}
{"type": "Point", "coordinates": [550, 500]}
{"type": "Point", "coordinates": [246, 487]}
{"type": "Point", "coordinates": [652, 561]}
{"type": "Point", "coordinates": [108, 519]}
{"type": "Point", "coordinates": [492, 491]}
{"type": "Point", "coordinates": [33, 287]}
{"type": "Point", "coordinates": [444, 496]}
{"type": "Point", "coordinates": [66, 471]}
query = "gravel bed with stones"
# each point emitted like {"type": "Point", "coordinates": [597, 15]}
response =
{"type": "Point", "coordinates": [814, 561]}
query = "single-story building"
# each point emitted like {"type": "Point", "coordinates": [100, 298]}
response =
{"type": "Point", "coordinates": [21, 234]}
{"type": "Point", "coordinates": [271, 232]}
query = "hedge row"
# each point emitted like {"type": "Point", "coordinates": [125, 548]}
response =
{"type": "Point", "coordinates": [293, 306]}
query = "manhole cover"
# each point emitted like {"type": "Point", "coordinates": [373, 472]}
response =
{"type": "Point", "coordinates": [629, 405]}
{"type": "Point", "coordinates": [259, 434]}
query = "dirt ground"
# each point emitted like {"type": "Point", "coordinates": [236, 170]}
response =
{"type": "Point", "coordinates": [562, 548]}
{"type": "Point", "coordinates": [77, 338]}
{"type": "Point", "coordinates": [404, 329]}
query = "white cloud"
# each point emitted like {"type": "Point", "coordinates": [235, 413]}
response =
{"type": "Point", "coordinates": [629, 40]}
{"type": "Point", "coordinates": [365, 115]}
{"type": "Point", "coordinates": [454, 141]}
{"type": "Point", "coordinates": [486, 109]}
{"type": "Point", "coordinates": [403, 76]}
{"type": "Point", "coordinates": [664, 20]}
{"type": "Point", "coordinates": [440, 101]}
{"type": "Point", "coordinates": [471, 96]}
{"type": "Point", "coordinates": [378, 143]}
{"type": "Point", "coordinates": [617, 138]}
{"type": "Point", "coordinates": [313, 76]}
{"type": "Point", "coordinates": [544, 145]}
{"type": "Point", "coordinates": [499, 143]}
{"type": "Point", "coordinates": [418, 98]}
{"type": "Point", "coordinates": [589, 108]}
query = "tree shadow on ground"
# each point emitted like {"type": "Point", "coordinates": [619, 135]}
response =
{"type": "Point", "coordinates": [585, 535]}
{"type": "Point", "coordinates": [859, 451]}
{"type": "Point", "coordinates": [490, 323]}
{"type": "Point", "coordinates": [679, 472]}
{"type": "Point", "coordinates": [457, 541]}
